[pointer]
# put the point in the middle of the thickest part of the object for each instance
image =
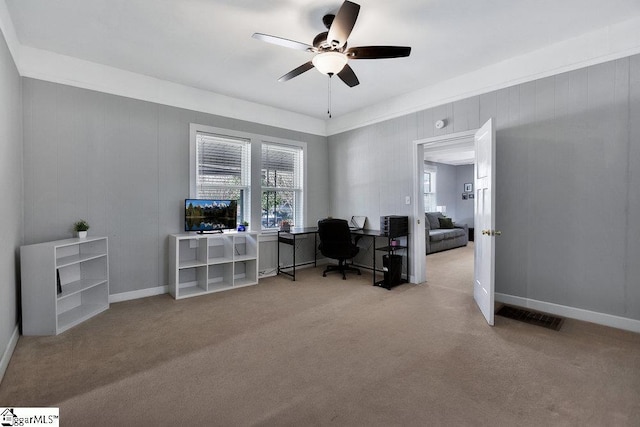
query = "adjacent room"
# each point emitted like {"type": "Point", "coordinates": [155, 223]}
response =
{"type": "Point", "coordinates": [325, 212]}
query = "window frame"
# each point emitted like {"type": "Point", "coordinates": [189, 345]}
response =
{"type": "Point", "coordinates": [244, 187]}
{"type": "Point", "coordinates": [253, 212]}
{"type": "Point", "coordinates": [299, 191]}
{"type": "Point", "coordinates": [433, 172]}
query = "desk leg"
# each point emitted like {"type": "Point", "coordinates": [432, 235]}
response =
{"type": "Point", "coordinates": [374, 260]}
{"type": "Point", "coordinates": [294, 257]}
{"type": "Point", "coordinates": [278, 261]}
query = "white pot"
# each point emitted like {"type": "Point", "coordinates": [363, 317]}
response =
{"type": "Point", "coordinates": [82, 234]}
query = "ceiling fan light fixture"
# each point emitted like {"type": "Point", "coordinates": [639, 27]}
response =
{"type": "Point", "coordinates": [329, 62]}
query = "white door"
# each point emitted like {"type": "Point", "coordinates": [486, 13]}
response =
{"type": "Point", "coordinates": [485, 182]}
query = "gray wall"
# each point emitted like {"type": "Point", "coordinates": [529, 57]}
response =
{"type": "Point", "coordinates": [10, 193]}
{"type": "Point", "coordinates": [464, 208]}
{"type": "Point", "coordinates": [568, 174]}
{"type": "Point", "coordinates": [568, 170]}
{"type": "Point", "coordinates": [446, 187]}
{"type": "Point", "coordinates": [123, 165]}
{"type": "Point", "coordinates": [449, 188]}
{"type": "Point", "coordinates": [369, 170]}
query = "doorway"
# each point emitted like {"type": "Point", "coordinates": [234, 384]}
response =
{"type": "Point", "coordinates": [483, 187]}
{"type": "Point", "coordinates": [448, 150]}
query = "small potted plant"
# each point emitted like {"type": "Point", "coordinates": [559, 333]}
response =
{"type": "Point", "coordinates": [81, 228]}
{"type": "Point", "coordinates": [244, 225]}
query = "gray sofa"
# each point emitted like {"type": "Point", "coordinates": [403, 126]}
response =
{"type": "Point", "coordinates": [442, 233]}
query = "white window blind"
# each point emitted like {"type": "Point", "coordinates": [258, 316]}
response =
{"type": "Point", "coordinates": [282, 186]}
{"type": "Point", "coordinates": [223, 169]}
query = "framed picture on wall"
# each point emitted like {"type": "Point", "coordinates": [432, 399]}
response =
{"type": "Point", "coordinates": [468, 187]}
{"type": "Point", "coordinates": [465, 196]}
{"type": "Point", "coordinates": [471, 196]}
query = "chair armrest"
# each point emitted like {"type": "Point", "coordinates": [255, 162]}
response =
{"type": "Point", "coordinates": [465, 227]}
{"type": "Point", "coordinates": [427, 226]}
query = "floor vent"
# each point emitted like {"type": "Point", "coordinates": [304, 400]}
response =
{"type": "Point", "coordinates": [531, 317]}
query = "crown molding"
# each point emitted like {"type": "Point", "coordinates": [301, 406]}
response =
{"type": "Point", "coordinates": [602, 45]}
{"type": "Point", "coordinates": [57, 68]}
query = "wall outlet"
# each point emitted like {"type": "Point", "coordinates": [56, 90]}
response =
{"type": "Point", "coordinates": [407, 200]}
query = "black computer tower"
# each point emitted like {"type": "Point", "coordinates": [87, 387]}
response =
{"type": "Point", "coordinates": [394, 225]}
{"type": "Point", "coordinates": [392, 266]}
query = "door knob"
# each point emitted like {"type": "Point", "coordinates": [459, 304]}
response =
{"type": "Point", "coordinates": [497, 233]}
{"type": "Point", "coordinates": [492, 232]}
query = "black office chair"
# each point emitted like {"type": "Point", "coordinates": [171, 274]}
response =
{"type": "Point", "coordinates": [335, 242]}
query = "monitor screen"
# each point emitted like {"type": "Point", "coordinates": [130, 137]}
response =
{"type": "Point", "coordinates": [210, 215]}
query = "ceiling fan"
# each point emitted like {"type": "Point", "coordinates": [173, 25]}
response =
{"type": "Point", "coordinates": [332, 54]}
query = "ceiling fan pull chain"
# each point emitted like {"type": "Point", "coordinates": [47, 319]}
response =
{"type": "Point", "coordinates": [329, 97]}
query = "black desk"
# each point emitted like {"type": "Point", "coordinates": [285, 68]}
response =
{"type": "Point", "coordinates": [289, 238]}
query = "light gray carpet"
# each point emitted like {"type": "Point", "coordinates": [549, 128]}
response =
{"type": "Point", "coordinates": [325, 351]}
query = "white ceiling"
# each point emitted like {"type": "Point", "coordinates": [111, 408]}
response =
{"type": "Point", "coordinates": [456, 156]}
{"type": "Point", "coordinates": [207, 44]}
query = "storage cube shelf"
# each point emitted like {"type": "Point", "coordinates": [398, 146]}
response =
{"type": "Point", "coordinates": [206, 263]}
{"type": "Point", "coordinates": [64, 283]}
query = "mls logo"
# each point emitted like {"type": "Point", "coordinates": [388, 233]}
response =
{"type": "Point", "coordinates": [6, 417]}
{"type": "Point", "coordinates": [30, 416]}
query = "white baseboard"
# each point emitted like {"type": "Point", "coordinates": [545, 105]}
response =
{"type": "Point", "coordinates": [8, 352]}
{"type": "Point", "coordinates": [159, 290]}
{"type": "Point", "coordinates": [267, 272]}
{"type": "Point", "coordinates": [142, 293]}
{"type": "Point", "coordinates": [571, 312]}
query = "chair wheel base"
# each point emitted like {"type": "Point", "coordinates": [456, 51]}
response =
{"type": "Point", "coordinates": [342, 268]}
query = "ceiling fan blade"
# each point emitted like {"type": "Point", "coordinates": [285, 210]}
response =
{"type": "Point", "coordinates": [378, 52]}
{"type": "Point", "coordinates": [348, 76]}
{"type": "Point", "coordinates": [284, 42]}
{"type": "Point", "coordinates": [296, 72]}
{"type": "Point", "coordinates": [342, 24]}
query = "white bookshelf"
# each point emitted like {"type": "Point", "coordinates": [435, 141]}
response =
{"type": "Point", "coordinates": [80, 266]}
{"type": "Point", "coordinates": [205, 263]}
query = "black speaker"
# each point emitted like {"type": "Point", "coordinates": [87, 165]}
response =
{"type": "Point", "coordinates": [392, 266]}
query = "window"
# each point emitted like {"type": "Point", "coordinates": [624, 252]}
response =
{"type": "Point", "coordinates": [429, 189]}
{"type": "Point", "coordinates": [223, 169]}
{"type": "Point", "coordinates": [266, 175]}
{"type": "Point", "coordinates": [282, 184]}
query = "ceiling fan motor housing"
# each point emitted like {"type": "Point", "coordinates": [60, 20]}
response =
{"type": "Point", "coordinates": [320, 41]}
